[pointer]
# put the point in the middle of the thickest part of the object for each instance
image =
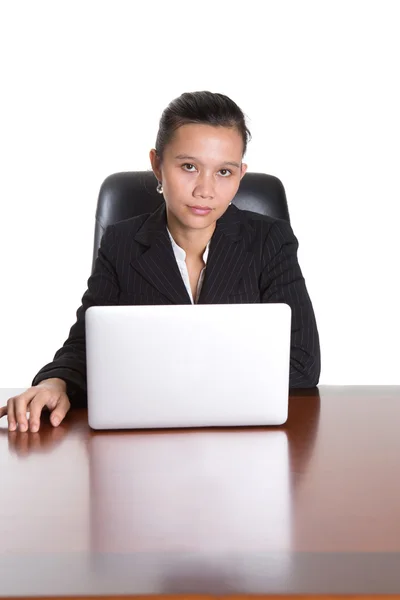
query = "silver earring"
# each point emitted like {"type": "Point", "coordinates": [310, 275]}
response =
{"type": "Point", "coordinates": [159, 188]}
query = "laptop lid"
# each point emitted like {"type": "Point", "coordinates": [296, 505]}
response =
{"type": "Point", "coordinates": [187, 365]}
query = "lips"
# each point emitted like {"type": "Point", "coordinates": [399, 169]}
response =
{"type": "Point", "coordinates": [200, 210]}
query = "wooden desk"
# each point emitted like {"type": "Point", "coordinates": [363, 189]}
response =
{"type": "Point", "coordinates": [312, 507]}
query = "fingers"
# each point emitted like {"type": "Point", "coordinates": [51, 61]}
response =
{"type": "Point", "coordinates": [17, 408]}
{"type": "Point", "coordinates": [58, 414]}
{"type": "Point", "coordinates": [44, 397]}
{"type": "Point", "coordinates": [57, 401]}
{"type": "Point", "coordinates": [35, 399]}
{"type": "Point", "coordinates": [12, 423]}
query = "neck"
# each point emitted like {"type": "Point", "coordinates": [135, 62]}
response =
{"type": "Point", "coordinates": [192, 241]}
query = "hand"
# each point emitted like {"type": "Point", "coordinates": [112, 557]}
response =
{"type": "Point", "coordinates": [50, 393]}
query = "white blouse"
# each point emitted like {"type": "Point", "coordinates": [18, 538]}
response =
{"type": "Point", "coordinates": [180, 256]}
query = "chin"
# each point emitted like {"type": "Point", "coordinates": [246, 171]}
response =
{"type": "Point", "coordinates": [198, 223]}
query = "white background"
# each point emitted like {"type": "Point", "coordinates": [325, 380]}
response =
{"type": "Point", "coordinates": [83, 84]}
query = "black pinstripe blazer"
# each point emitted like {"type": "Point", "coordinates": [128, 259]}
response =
{"type": "Point", "coordinates": [252, 258]}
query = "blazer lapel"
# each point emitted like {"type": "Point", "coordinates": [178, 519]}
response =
{"type": "Point", "coordinates": [228, 259]}
{"type": "Point", "coordinates": [158, 264]}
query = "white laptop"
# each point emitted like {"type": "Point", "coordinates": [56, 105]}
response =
{"type": "Point", "coordinates": [187, 365]}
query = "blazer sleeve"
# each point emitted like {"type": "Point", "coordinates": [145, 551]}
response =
{"type": "Point", "coordinates": [283, 281]}
{"type": "Point", "coordinates": [69, 362]}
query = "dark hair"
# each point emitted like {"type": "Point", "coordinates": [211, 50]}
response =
{"type": "Point", "coordinates": [200, 107]}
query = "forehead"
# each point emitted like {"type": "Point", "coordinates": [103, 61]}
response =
{"type": "Point", "coordinates": [223, 143]}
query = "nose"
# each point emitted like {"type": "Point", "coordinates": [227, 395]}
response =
{"type": "Point", "coordinates": [204, 186]}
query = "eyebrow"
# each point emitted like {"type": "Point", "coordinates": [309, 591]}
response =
{"type": "Point", "coordinates": [185, 157]}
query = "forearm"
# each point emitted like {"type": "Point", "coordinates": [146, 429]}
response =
{"type": "Point", "coordinates": [282, 281]}
{"type": "Point", "coordinates": [305, 356]}
{"type": "Point", "coordinates": [71, 373]}
{"type": "Point", "coordinates": [69, 362]}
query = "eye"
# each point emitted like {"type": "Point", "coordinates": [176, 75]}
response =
{"type": "Point", "coordinates": [225, 172]}
{"type": "Point", "coordinates": [189, 167]}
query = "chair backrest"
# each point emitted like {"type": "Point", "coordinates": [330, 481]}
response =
{"type": "Point", "coordinates": [129, 194]}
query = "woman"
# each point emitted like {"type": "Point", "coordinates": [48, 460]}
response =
{"type": "Point", "coordinates": [195, 248]}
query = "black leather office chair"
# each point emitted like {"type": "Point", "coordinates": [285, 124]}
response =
{"type": "Point", "coordinates": [125, 195]}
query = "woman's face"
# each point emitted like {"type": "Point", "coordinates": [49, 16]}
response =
{"type": "Point", "coordinates": [200, 173]}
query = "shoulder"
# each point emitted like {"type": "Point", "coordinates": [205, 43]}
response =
{"type": "Point", "coordinates": [121, 235]}
{"type": "Point", "coordinates": [127, 227]}
{"type": "Point", "coordinates": [264, 227]}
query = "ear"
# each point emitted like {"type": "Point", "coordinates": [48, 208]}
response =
{"type": "Point", "coordinates": [155, 164]}
{"type": "Point", "coordinates": [243, 170]}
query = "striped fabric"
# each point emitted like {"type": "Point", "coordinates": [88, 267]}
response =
{"type": "Point", "coordinates": [252, 258]}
